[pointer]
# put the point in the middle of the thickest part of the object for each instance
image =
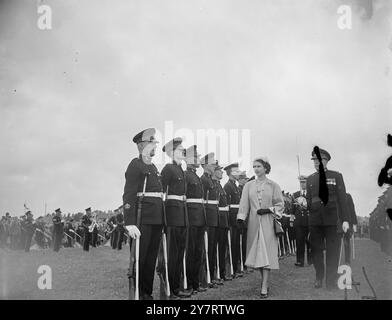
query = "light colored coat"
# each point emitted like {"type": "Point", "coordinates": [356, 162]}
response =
{"type": "Point", "coordinates": [261, 242]}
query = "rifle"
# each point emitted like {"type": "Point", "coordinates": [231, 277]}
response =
{"type": "Point", "coordinates": [242, 263]}
{"type": "Point", "coordinates": [133, 272]}
{"type": "Point", "coordinates": [186, 235]}
{"type": "Point", "coordinates": [162, 265]}
{"type": "Point", "coordinates": [206, 245]}
{"type": "Point", "coordinates": [229, 241]}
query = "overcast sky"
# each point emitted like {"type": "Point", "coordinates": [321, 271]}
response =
{"type": "Point", "coordinates": [73, 97]}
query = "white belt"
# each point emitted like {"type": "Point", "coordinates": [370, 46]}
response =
{"type": "Point", "coordinates": [193, 200]}
{"type": "Point", "coordinates": [150, 194]}
{"type": "Point", "coordinates": [212, 202]}
{"type": "Point", "coordinates": [234, 206]}
{"type": "Point", "coordinates": [224, 208]}
{"type": "Point", "coordinates": [174, 197]}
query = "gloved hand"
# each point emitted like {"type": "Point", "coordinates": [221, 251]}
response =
{"type": "Point", "coordinates": [345, 226]}
{"type": "Point", "coordinates": [133, 231]}
{"type": "Point", "coordinates": [355, 228]}
{"type": "Point", "coordinates": [263, 211]}
{"type": "Point", "coordinates": [240, 223]}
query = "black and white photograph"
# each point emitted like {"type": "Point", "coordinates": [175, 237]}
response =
{"type": "Point", "coordinates": [204, 152]}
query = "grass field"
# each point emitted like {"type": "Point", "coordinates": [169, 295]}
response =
{"type": "Point", "coordinates": [101, 274]}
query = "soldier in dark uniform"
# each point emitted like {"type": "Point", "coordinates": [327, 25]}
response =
{"type": "Point", "coordinates": [120, 229]}
{"type": "Point", "coordinates": [174, 184]}
{"type": "Point", "coordinates": [69, 234]}
{"type": "Point", "coordinates": [211, 205]}
{"type": "Point", "coordinates": [58, 230]}
{"type": "Point", "coordinates": [326, 219]}
{"type": "Point", "coordinates": [94, 233]}
{"type": "Point", "coordinates": [112, 224]}
{"type": "Point", "coordinates": [352, 229]}
{"type": "Point", "coordinates": [243, 228]}
{"type": "Point", "coordinates": [233, 195]}
{"type": "Point", "coordinates": [39, 236]}
{"type": "Point", "coordinates": [223, 224]}
{"type": "Point", "coordinates": [86, 223]}
{"type": "Point", "coordinates": [197, 219]}
{"type": "Point", "coordinates": [142, 169]}
{"type": "Point", "coordinates": [29, 227]}
{"type": "Point", "coordinates": [301, 223]}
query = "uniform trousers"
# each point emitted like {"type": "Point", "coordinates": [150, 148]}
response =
{"type": "Point", "coordinates": [194, 256]}
{"type": "Point", "coordinates": [148, 252]}
{"type": "Point", "coordinates": [325, 237]}
{"type": "Point", "coordinates": [176, 243]}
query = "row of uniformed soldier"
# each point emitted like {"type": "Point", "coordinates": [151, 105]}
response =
{"type": "Point", "coordinates": [194, 209]}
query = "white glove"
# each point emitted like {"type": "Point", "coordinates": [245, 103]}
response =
{"type": "Point", "coordinates": [345, 226]}
{"type": "Point", "coordinates": [355, 228]}
{"type": "Point", "coordinates": [133, 231]}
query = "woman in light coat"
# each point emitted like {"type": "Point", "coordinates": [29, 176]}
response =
{"type": "Point", "coordinates": [262, 201]}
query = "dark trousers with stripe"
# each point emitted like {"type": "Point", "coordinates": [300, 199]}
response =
{"type": "Point", "coordinates": [212, 242]}
{"type": "Point", "coordinates": [235, 248]}
{"type": "Point", "coordinates": [301, 237]}
{"type": "Point", "coordinates": [222, 247]}
{"type": "Point", "coordinates": [148, 252]}
{"type": "Point", "coordinates": [325, 237]}
{"type": "Point", "coordinates": [176, 243]}
{"type": "Point", "coordinates": [194, 256]}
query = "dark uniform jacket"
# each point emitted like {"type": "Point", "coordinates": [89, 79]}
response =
{"type": "Point", "coordinates": [173, 181]}
{"type": "Point", "coordinates": [111, 222]}
{"type": "Point", "coordinates": [29, 226]}
{"type": "Point", "coordinates": [336, 208]}
{"type": "Point", "coordinates": [351, 211]}
{"type": "Point", "coordinates": [152, 207]}
{"type": "Point", "coordinates": [233, 196]}
{"type": "Point", "coordinates": [210, 192]}
{"type": "Point", "coordinates": [58, 226]}
{"type": "Point", "coordinates": [301, 214]}
{"type": "Point", "coordinates": [194, 190]}
{"type": "Point", "coordinates": [86, 221]}
{"type": "Point", "coordinates": [223, 217]}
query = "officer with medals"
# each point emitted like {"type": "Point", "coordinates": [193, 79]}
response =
{"type": "Point", "coordinates": [86, 223]}
{"type": "Point", "coordinates": [174, 185]}
{"type": "Point", "coordinates": [142, 181]}
{"type": "Point", "coordinates": [58, 230]}
{"type": "Point", "coordinates": [223, 225]}
{"type": "Point", "coordinates": [233, 196]}
{"type": "Point", "coordinates": [301, 223]}
{"type": "Point", "coordinates": [327, 204]}
{"type": "Point", "coordinates": [211, 195]}
{"type": "Point", "coordinates": [197, 219]}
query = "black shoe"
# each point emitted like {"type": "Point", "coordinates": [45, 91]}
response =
{"type": "Point", "coordinates": [299, 264]}
{"type": "Point", "coordinates": [318, 284]}
{"type": "Point", "coordinates": [228, 278]}
{"type": "Point", "coordinates": [174, 297]}
{"type": "Point", "coordinates": [213, 285]}
{"type": "Point", "coordinates": [183, 294]}
{"type": "Point", "coordinates": [202, 289]}
{"type": "Point", "coordinates": [146, 296]}
{"type": "Point", "coordinates": [195, 291]}
{"type": "Point", "coordinates": [264, 295]}
{"type": "Point", "coordinates": [219, 282]}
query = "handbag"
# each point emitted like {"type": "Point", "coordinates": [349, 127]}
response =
{"type": "Point", "coordinates": [278, 228]}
